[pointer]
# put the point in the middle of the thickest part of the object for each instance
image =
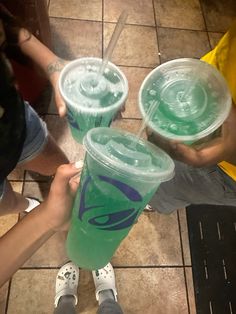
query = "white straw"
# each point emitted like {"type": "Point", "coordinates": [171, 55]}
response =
{"type": "Point", "coordinates": [115, 36]}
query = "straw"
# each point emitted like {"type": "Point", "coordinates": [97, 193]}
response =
{"type": "Point", "coordinates": [147, 117]}
{"type": "Point", "coordinates": [189, 88]}
{"type": "Point", "coordinates": [115, 36]}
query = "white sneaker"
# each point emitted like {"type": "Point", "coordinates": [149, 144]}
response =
{"type": "Point", "coordinates": [149, 208]}
{"type": "Point", "coordinates": [32, 204]}
{"type": "Point", "coordinates": [104, 279]}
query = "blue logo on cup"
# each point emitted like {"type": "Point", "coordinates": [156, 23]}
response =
{"type": "Point", "coordinates": [72, 120]}
{"type": "Point", "coordinates": [116, 220]}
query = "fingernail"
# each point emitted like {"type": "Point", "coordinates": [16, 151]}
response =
{"type": "Point", "coordinates": [62, 111]}
{"type": "Point", "coordinates": [79, 164]}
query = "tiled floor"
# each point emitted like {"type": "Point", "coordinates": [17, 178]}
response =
{"type": "Point", "coordinates": [153, 265]}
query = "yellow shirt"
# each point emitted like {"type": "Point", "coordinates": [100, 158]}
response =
{"type": "Point", "coordinates": [223, 57]}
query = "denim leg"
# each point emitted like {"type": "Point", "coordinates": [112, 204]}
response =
{"type": "Point", "coordinates": [109, 306]}
{"type": "Point", "coordinates": [66, 305]}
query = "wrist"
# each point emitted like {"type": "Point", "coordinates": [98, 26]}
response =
{"type": "Point", "coordinates": [54, 68]}
{"type": "Point", "coordinates": [53, 220]}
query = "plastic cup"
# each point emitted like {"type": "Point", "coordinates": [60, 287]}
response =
{"type": "Point", "coordinates": [92, 100]}
{"type": "Point", "coordinates": [191, 97]}
{"type": "Point", "coordinates": [118, 180]}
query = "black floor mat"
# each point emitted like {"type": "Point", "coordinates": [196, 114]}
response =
{"type": "Point", "coordinates": [212, 236]}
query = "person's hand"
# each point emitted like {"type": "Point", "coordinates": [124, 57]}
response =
{"type": "Point", "coordinates": [53, 70]}
{"type": "Point", "coordinates": [219, 149]}
{"type": "Point", "coordinates": [59, 203]}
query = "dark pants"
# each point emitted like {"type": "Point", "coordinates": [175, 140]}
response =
{"type": "Point", "coordinates": [66, 306]}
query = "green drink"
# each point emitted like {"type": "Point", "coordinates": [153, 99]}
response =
{"type": "Point", "coordinates": [92, 99]}
{"type": "Point", "coordinates": [120, 175]}
{"type": "Point", "coordinates": [191, 100]}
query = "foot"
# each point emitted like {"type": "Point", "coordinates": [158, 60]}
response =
{"type": "Point", "coordinates": [149, 208]}
{"type": "Point", "coordinates": [67, 282]}
{"type": "Point", "coordinates": [104, 279]}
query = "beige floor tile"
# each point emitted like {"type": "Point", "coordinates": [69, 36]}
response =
{"type": "Point", "coordinates": [214, 38]}
{"type": "Point", "coordinates": [219, 14]}
{"type": "Point", "coordinates": [179, 14]}
{"type": "Point", "coordinates": [51, 254]}
{"type": "Point", "coordinates": [185, 238]}
{"type": "Point", "coordinates": [175, 43]}
{"type": "Point", "coordinates": [152, 290]}
{"type": "Point", "coordinates": [3, 297]}
{"type": "Point", "coordinates": [76, 9]}
{"type": "Point", "coordinates": [61, 132]}
{"type": "Point", "coordinates": [38, 190]}
{"type": "Point", "coordinates": [135, 77]}
{"type": "Point", "coordinates": [128, 125]}
{"type": "Point", "coordinates": [17, 186]}
{"type": "Point", "coordinates": [7, 222]}
{"type": "Point", "coordinates": [16, 174]}
{"type": "Point", "coordinates": [190, 288]}
{"type": "Point", "coordinates": [32, 291]}
{"type": "Point", "coordinates": [153, 240]}
{"type": "Point", "coordinates": [87, 302]}
{"type": "Point", "coordinates": [139, 12]}
{"type": "Point", "coordinates": [133, 44]}
{"type": "Point", "coordinates": [74, 39]}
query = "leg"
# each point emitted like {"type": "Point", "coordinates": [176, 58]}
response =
{"type": "Point", "coordinates": [40, 153]}
{"type": "Point", "coordinates": [192, 185]}
{"type": "Point", "coordinates": [106, 294]}
{"type": "Point", "coordinates": [48, 160]}
{"type": "Point", "coordinates": [109, 306]}
{"type": "Point", "coordinates": [66, 305]}
{"type": "Point", "coordinates": [10, 201]}
{"type": "Point", "coordinates": [66, 289]}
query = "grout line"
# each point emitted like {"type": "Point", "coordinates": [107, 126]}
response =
{"type": "Point", "coordinates": [126, 118]}
{"type": "Point", "coordinates": [183, 260]}
{"type": "Point", "coordinates": [158, 44]}
{"type": "Point", "coordinates": [204, 19]}
{"type": "Point", "coordinates": [8, 296]}
{"type": "Point", "coordinates": [102, 29]}
{"type": "Point", "coordinates": [117, 267]}
{"type": "Point", "coordinates": [153, 266]}
{"type": "Point", "coordinates": [136, 66]}
{"type": "Point", "coordinates": [73, 19]}
{"type": "Point", "coordinates": [97, 21]}
{"type": "Point", "coordinates": [143, 25]}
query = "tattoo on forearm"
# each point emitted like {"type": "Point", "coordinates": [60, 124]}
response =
{"type": "Point", "coordinates": [55, 66]}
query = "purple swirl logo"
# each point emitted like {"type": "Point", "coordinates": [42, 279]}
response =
{"type": "Point", "coordinates": [72, 120]}
{"type": "Point", "coordinates": [111, 221]}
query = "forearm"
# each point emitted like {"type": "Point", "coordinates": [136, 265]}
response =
{"type": "Point", "coordinates": [20, 242]}
{"type": "Point", "coordinates": [40, 54]}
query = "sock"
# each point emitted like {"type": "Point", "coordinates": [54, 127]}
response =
{"type": "Point", "coordinates": [104, 295]}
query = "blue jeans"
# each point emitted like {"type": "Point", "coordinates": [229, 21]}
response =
{"type": "Point", "coordinates": [36, 138]}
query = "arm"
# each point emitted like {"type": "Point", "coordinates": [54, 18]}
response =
{"type": "Point", "coordinates": [16, 246]}
{"type": "Point", "coordinates": [220, 149]}
{"type": "Point", "coordinates": [46, 60]}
